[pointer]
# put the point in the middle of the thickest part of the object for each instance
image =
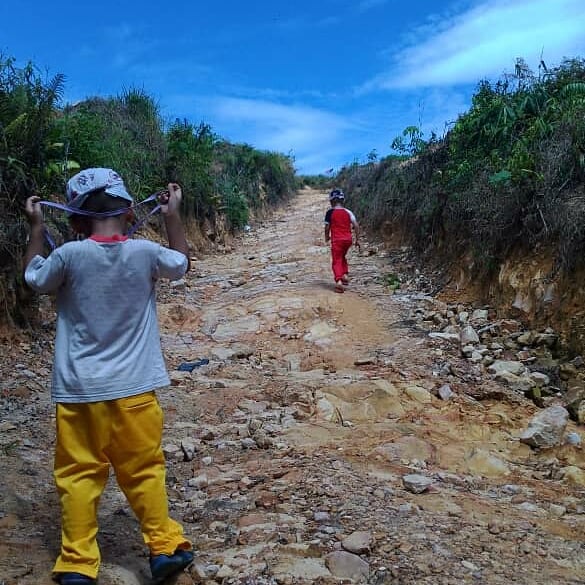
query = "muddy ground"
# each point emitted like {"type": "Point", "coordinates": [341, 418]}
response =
{"type": "Point", "coordinates": [287, 452]}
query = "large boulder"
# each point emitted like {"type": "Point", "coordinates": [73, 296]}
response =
{"type": "Point", "coordinates": [546, 429]}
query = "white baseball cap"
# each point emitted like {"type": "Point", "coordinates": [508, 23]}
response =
{"type": "Point", "coordinates": [81, 185]}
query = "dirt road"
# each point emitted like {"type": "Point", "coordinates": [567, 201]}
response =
{"type": "Point", "coordinates": [292, 443]}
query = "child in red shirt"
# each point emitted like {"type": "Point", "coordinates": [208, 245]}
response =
{"type": "Point", "coordinates": [339, 224]}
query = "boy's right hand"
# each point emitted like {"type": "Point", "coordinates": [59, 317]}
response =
{"type": "Point", "coordinates": [33, 211]}
{"type": "Point", "coordinates": [170, 201]}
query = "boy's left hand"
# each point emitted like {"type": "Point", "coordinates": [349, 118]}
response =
{"type": "Point", "coordinates": [33, 211]}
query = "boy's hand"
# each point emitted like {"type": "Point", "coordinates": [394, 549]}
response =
{"type": "Point", "coordinates": [170, 200]}
{"type": "Point", "coordinates": [33, 211]}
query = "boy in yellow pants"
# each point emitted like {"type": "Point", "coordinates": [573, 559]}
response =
{"type": "Point", "coordinates": [108, 362]}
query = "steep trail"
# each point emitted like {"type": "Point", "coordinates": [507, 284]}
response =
{"type": "Point", "coordinates": [291, 445]}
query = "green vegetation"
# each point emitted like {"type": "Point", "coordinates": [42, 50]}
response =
{"type": "Point", "coordinates": [320, 182]}
{"type": "Point", "coordinates": [42, 143]}
{"type": "Point", "coordinates": [391, 280]}
{"type": "Point", "coordinates": [509, 175]}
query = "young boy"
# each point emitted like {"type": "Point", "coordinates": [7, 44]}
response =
{"type": "Point", "coordinates": [339, 222]}
{"type": "Point", "coordinates": [108, 361]}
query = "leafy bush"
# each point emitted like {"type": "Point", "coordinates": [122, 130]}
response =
{"type": "Point", "coordinates": [43, 144]}
{"type": "Point", "coordinates": [124, 133]}
{"type": "Point", "coordinates": [508, 174]}
{"type": "Point", "coordinates": [27, 112]}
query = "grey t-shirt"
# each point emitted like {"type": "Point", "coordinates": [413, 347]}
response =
{"type": "Point", "coordinates": [107, 344]}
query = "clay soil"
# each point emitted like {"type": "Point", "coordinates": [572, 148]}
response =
{"type": "Point", "coordinates": [299, 432]}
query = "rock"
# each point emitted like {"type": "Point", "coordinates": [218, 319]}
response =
{"type": "Point", "coordinates": [293, 361]}
{"type": "Point", "coordinates": [234, 329]}
{"type": "Point", "coordinates": [463, 317]}
{"type": "Point", "coordinates": [320, 331]}
{"type": "Point", "coordinates": [205, 572]}
{"type": "Point", "coordinates": [365, 361]}
{"type": "Point", "coordinates": [242, 350]}
{"type": "Point", "coordinates": [171, 450]}
{"type": "Point", "coordinates": [546, 428]}
{"type": "Point", "coordinates": [222, 353]}
{"type": "Point", "coordinates": [468, 335]}
{"type": "Point", "coordinates": [526, 338]}
{"type": "Point", "coordinates": [407, 448]}
{"type": "Point", "coordinates": [486, 464]}
{"type": "Point", "coordinates": [574, 475]}
{"type": "Point", "coordinates": [294, 569]}
{"type": "Point", "coordinates": [539, 379]}
{"type": "Point", "coordinates": [200, 481]}
{"type": "Point", "coordinates": [501, 366]}
{"type": "Point", "coordinates": [511, 488]}
{"type": "Point", "coordinates": [467, 350]}
{"type": "Point", "coordinates": [418, 393]}
{"type": "Point", "coordinates": [573, 439]}
{"type": "Point", "coordinates": [452, 337]}
{"type": "Point", "coordinates": [288, 332]}
{"type": "Point", "coordinates": [358, 542]}
{"type": "Point", "coordinates": [263, 440]}
{"type": "Point", "coordinates": [445, 392]}
{"type": "Point", "coordinates": [417, 484]}
{"type": "Point", "coordinates": [574, 397]}
{"type": "Point", "coordinates": [326, 410]}
{"type": "Point", "coordinates": [321, 516]}
{"type": "Point", "coordinates": [557, 510]}
{"type": "Point", "coordinates": [189, 447]}
{"type": "Point", "coordinates": [248, 443]}
{"type": "Point", "coordinates": [179, 377]}
{"type": "Point", "coordinates": [546, 339]}
{"type": "Point", "coordinates": [516, 383]}
{"type": "Point", "coordinates": [386, 386]}
{"type": "Point", "coordinates": [480, 315]}
{"type": "Point", "coordinates": [253, 406]}
{"type": "Point", "coordinates": [117, 574]}
{"type": "Point", "coordinates": [345, 565]}
{"type": "Point", "coordinates": [224, 572]}
{"type": "Point", "coordinates": [470, 566]}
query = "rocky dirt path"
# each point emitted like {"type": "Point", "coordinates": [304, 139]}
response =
{"type": "Point", "coordinates": [319, 438]}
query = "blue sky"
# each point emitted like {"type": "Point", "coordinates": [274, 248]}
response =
{"type": "Point", "coordinates": [327, 81]}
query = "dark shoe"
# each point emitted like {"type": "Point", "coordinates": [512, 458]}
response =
{"type": "Point", "coordinates": [163, 566]}
{"type": "Point", "coordinates": [74, 579]}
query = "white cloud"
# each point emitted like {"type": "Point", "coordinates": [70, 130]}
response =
{"type": "Point", "coordinates": [313, 136]}
{"type": "Point", "coordinates": [485, 41]}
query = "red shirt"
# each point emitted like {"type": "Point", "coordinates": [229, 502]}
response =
{"type": "Point", "coordinates": [340, 220]}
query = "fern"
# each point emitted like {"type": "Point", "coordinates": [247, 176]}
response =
{"type": "Point", "coordinates": [572, 90]}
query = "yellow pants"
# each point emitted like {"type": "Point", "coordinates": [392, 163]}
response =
{"type": "Point", "coordinates": [126, 434]}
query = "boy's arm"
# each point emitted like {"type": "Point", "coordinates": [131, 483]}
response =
{"type": "Point", "coordinates": [36, 240]}
{"type": "Point", "coordinates": [356, 231]}
{"type": "Point", "coordinates": [172, 218]}
{"type": "Point", "coordinates": [327, 225]}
